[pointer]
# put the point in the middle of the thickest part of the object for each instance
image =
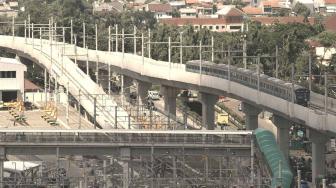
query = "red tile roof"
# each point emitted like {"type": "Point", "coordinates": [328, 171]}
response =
{"type": "Point", "coordinates": [330, 23]}
{"type": "Point", "coordinates": [271, 3]}
{"type": "Point", "coordinates": [160, 8]}
{"type": "Point", "coordinates": [30, 86]}
{"type": "Point", "coordinates": [252, 10]}
{"type": "Point", "coordinates": [193, 21]}
{"type": "Point", "coordinates": [313, 43]}
{"type": "Point", "coordinates": [234, 12]}
{"type": "Point", "coordinates": [282, 20]}
{"type": "Point", "coordinates": [191, 1]}
{"type": "Point", "coordinates": [328, 2]}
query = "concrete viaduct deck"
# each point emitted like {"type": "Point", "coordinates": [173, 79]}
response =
{"type": "Point", "coordinates": [172, 75]}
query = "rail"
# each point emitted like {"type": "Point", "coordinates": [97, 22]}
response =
{"type": "Point", "coordinates": [135, 138]}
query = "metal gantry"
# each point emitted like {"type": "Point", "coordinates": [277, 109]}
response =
{"type": "Point", "coordinates": [146, 158]}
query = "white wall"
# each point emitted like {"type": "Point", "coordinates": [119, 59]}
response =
{"type": "Point", "coordinates": [12, 84]}
{"type": "Point", "coordinates": [36, 97]}
{"type": "Point", "coordinates": [325, 54]}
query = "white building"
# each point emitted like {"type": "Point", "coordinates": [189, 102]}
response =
{"type": "Point", "coordinates": [11, 79]}
{"type": "Point", "coordinates": [324, 54]}
{"type": "Point", "coordinates": [160, 10]}
{"type": "Point", "coordinates": [188, 13]}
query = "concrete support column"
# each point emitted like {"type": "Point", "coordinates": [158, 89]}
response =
{"type": "Point", "coordinates": [318, 154]}
{"type": "Point", "coordinates": [125, 154]}
{"type": "Point", "coordinates": [169, 96]}
{"type": "Point", "coordinates": [125, 167]}
{"type": "Point", "coordinates": [208, 110]}
{"type": "Point", "coordinates": [142, 89]}
{"type": "Point", "coordinates": [2, 159]}
{"type": "Point", "coordinates": [283, 126]}
{"type": "Point", "coordinates": [126, 83]}
{"type": "Point", "coordinates": [251, 115]}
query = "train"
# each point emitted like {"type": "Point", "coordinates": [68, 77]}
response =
{"type": "Point", "coordinates": [249, 78]}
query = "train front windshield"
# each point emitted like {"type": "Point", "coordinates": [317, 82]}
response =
{"type": "Point", "coordinates": [302, 96]}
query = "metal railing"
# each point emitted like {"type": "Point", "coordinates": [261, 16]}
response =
{"type": "Point", "coordinates": [132, 138]}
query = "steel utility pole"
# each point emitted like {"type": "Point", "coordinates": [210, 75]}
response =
{"type": "Point", "coordinates": [276, 62]}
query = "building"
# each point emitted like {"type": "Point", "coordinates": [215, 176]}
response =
{"type": "Point", "coordinates": [8, 8]}
{"type": "Point", "coordinates": [213, 24]}
{"type": "Point", "coordinates": [205, 10]}
{"type": "Point", "coordinates": [329, 23]}
{"type": "Point", "coordinates": [233, 17]}
{"type": "Point", "coordinates": [191, 2]}
{"type": "Point", "coordinates": [330, 6]}
{"type": "Point", "coordinates": [188, 12]}
{"type": "Point", "coordinates": [252, 11]}
{"type": "Point", "coordinates": [11, 79]}
{"type": "Point", "coordinates": [323, 54]}
{"type": "Point", "coordinates": [160, 10]}
{"type": "Point", "coordinates": [177, 4]}
{"type": "Point", "coordinates": [274, 6]}
{"type": "Point", "coordinates": [325, 7]}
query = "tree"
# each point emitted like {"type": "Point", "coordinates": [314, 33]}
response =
{"type": "Point", "coordinates": [214, 9]}
{"type": "Point", "coordinates": [176, 13]}
{"type": "Point", "coordinates": [327, 39]}
{"type": "Point", "coordinates": [301, 9]}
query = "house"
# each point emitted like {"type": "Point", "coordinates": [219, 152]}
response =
{"type": "Point", "coordinates": [11, 79]}
{"type": "Point", "coordinates": [330, 6]}
{"type": "Point", "coordinates": [13, 4]}
{"type": "Point", "coordinates": [160, 10]}
{"type": "Point", "coordinates": [213, 24]}
{"type": "Point", "coordinates": [323, 54]}
{"type": "Point", "coordinates": [191, 2]}
{"type": "Point", "coordinates": [325, 6]}
{"type": "Point", "coordinates": [252, 11]}
{"type": "Point", "coordinates": [8, 8]}
{"type": "Point", "coordinates": [205, 10]}
{"type": "Point", "coordinates": [188, 12]}
{"type": "Point", "coordinates": [269, 7]}
{"type": "Point", "coordinates": [274, 6]}
{"type": "Point", "coordinates": [233, 16]}
{"type": "Point", "coordinates": [113, 6]}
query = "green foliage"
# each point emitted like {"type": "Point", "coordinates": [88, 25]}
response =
{"type": "Point", "coordinates": [176, 13]}
{"type": "Point", "coordinates": [238, 3]}
{"type": "Point", "coordinates": [327, 39]}
{"type": "Point", "coordinates": [301, 9]}
{"type": "Point", "coordinates": [290, 39]}
{"type": "Point", "coordinates": [283, 12]}
{"type": "Point", "coordinates": [214, 9]}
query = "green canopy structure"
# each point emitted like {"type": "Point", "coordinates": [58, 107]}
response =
{"type": "Point", "coordinates": [281, 173]}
